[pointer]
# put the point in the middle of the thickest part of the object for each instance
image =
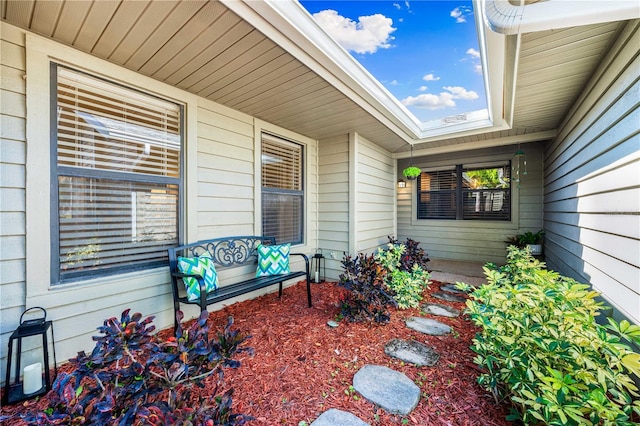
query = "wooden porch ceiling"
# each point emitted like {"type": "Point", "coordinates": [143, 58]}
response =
{"type": "Point", "coordinates": [204, 48]}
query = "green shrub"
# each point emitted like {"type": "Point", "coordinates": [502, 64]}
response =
{"type": "Point", "coordinates": [390, 277]}
{"type": "Point", "coordinates": [413, 254]}
{"type": "Point", "coordinates": [541, 348]}
{"type": "Point", "coordinates": [406, 286]}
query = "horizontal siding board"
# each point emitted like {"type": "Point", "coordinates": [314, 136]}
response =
{"type": "Point", "coordinates": [13, 272]}
{"type": "Point", "coordinates": [11, 80]}
{"type": "Point", "coordinates": [12, 55]}
{"type": "Point", "coordinates": [608, 149]}
{"type": "Point", "coordinates": [592, 186]}
{"type": "Point", "coordinates": [623, 225]}
{"type": "Point", "coordinates": [12, 128]}
{"type": "Point", "coordinates": [13, 103]}
{"type": "Point", "coordinates": [13, 152]}
{"type": "Point", "coordinates": [622, 201]}
{"type": "Point", "coordinates": [618, 247]}
{"type": "Point", "coordinates": [11, 224]}
{"type": "Point", "coordinates": [620, 150]}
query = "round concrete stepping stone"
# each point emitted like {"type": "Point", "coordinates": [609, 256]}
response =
{"type": "Point", "coordinates": [411, 351]}
{"type": "Point", "coordinates": [428, 326]}
{"type": "Point", "coordinates": [448, 297]}
{"type": "Point", "coordinates": [387, 388]}
{"type": "Point", "coordinates": [440, 310]}
{"type": "Point", "coordinates": [335, 417]}
{"type": "Point", "coordinates": [451, 288]}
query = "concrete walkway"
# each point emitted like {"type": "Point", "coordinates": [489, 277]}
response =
{"type": "Point", "coordinates": [452, 271]}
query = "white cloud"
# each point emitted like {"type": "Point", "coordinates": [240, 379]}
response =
{"type": "Point", "coordinates": [461, 93]}
{"type": "Point", "coordinates": [393, 82]}
{"type": "Point", "coordinates": [478, 68]}
{"type": "Point", "coordinates": [460, 14]}
{"type": "Point", "coordinates": [423, 88]}
{"type": "Point", "coordinates": [443, 100]}
{"type": "Point", "coordinates": [473, 52]}
{"type": "Point", "coordinates": [430, 77]}
{"type": "Point", "coordinates": [397, 6]}
{"type": "Point", "coordinates": [430, 101]}
{"type": "Point", "coordinates": [367, 35]}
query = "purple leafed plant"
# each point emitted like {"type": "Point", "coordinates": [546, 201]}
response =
{"type": "Point", "coordinates": [132, 377]}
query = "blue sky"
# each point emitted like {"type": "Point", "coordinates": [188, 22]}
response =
{"type": "Point", "coordinates": [424, 52]}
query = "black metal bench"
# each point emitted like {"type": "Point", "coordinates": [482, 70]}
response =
{"type": "Point", "coordinates": [227, 253]}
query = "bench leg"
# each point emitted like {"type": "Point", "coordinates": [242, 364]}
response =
{"type": "Point", "coordinates": [280, 290]}
{"type": "Point", "coordinates": [308, 291]}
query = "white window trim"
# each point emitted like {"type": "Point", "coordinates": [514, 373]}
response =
{"type": "Point", "coordinates": [309, 239]}
{"type": "Point", "coordinates": [40, 52]}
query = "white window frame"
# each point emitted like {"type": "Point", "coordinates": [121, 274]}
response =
{"type": "Point", "coordinates": [40, 52]}
{"type": "Point", "coordinates": [309, 236]}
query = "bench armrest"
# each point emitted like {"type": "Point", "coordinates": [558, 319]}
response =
{"type": "Point", "coordinates": [306, 260]}
{"type": "Point", "coordinates": [201, 284]}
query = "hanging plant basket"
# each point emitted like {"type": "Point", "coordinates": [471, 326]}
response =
{"type": "Point", "coordinates": [411, 172]}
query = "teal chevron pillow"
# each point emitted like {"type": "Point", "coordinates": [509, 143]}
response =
{"type": "Point", "coordinates": [273, 260]}
{"type": "Point", "coordinates": [203, 266]}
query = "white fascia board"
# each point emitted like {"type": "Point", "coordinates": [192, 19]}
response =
{"type": "Point", "coordinates": [487, 143]}
{"type": "Point", "coordinates": [289, 25]}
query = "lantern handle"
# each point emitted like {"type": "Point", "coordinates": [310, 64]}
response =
{"type": "Point", "coordinates": [35, 307]}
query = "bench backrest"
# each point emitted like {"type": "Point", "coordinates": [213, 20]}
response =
{"type": "Point", "coordinates": [225, 252]}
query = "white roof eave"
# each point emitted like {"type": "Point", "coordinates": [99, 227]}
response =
{"type": "Point", "coordinates": [288, 24]}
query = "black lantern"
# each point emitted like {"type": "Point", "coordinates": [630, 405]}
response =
{"type": "Point", "coordinates": [32, 383]}
{"type": "Point", "coordinates": [318, 267]}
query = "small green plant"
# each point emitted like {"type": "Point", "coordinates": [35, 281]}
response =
{"type": "Point", "coordinates": [351, 392]}
{"type": "Point", "coordinates": [541, 348]}
{"type": "Point", "coordinates": [131, 377]}
{"type": "Point", "coordinates": [411, 172]}
{"type": "Point", "coordinates": [521, 240]}
{"type": "Point", "coordinates": [393, 277]}
{"type": "Point", "coordinates": [406, 286]}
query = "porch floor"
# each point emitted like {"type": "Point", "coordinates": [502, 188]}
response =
{"type": "Point", "coordinates": [452, 271]}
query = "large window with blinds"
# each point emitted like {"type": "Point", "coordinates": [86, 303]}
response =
{"type": "Point", "coordinates": [117, 176]}
{"type": "Point", "coordinates": [466, 193]}
{"type": "Point", "coordinates": [282, 190]}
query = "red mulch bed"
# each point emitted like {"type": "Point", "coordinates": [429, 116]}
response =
{"type": "Point", "coordinates": [302, 367]}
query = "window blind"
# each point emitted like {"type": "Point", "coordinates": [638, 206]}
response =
{"type": "Point", "coordinates": [487, 193]}
{"type": "Point", "coordinates": [282, 190]}
{"type": "Point", "coordinates": [118, 176]}
{"type": "Point", "coordinates": [477, 192]}
{"type": "Point", "coordinates": [437, 195]}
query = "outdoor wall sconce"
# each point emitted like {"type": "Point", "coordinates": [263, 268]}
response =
{"type": "Point", "coordinates": [318, 267]}
{"type": "Point", "coordinates": [402, 183]}
{"type": "Point", "coordinates": [32, 383]}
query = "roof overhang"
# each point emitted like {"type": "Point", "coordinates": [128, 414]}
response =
{"type": "Point", "coordinates": [294, 29]}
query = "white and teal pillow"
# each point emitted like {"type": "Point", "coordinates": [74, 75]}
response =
{"type": "Point", "coordinates": [273, 260]}
{"type": "Point", "coordinates": [203, 266]}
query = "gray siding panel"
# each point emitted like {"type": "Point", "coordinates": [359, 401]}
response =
{"type": "Point", "coordinates": [592, 182]}
{"type": "Point", "coordinates": [333, 201]}
{"type": "Point", "coordinates": [12, 185]}
{"type": "Point", "coordinates": [375, 187]}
